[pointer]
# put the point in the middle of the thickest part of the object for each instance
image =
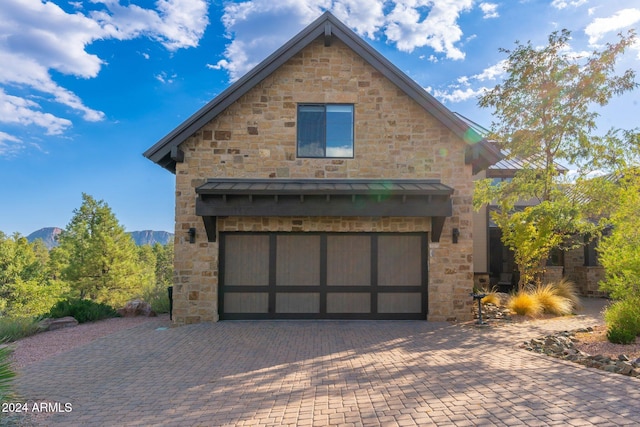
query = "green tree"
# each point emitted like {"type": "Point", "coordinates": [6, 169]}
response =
{"type": "Point", "coordinates": [544, 117]}
{"type": "Point", "coordinates": [99, 257]}
{"type": "Point", "coordinates": [619, 253]}
{"type": "Point", "coordinates": [164, 264]}
{"type": "Point", "coordinates": [27, 287]}
{"type": "Point", "coordinates": [160, 259]}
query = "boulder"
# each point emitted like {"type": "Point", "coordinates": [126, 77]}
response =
{"type": "Point", "coordinates": [137, 308]}
{"type": "Point", "coordinates": [50, 324]}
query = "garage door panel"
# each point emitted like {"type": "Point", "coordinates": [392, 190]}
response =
{"type": "Point", "coordinates": [248, 263]}
{"type": "Point", "coordinates": [399, 260]}
{"type": "Point", "coordinates": [348, 260]}
{"type": "Point", "coordinates": [348, 302]}
{"type": "Point", "coordinates": [405, 302]}
{"type": "Point", "coordinates": [297, 302]}
{"type": "Point", "coordinates": [246, 302]}
{"type": "Point", "coordinates": [298, 260]}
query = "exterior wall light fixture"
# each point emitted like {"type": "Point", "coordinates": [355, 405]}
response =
{"type": "Point", "coordinates": [455, 235]}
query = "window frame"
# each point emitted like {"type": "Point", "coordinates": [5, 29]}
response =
{"type": "Point", "coordinates": [324, 130]}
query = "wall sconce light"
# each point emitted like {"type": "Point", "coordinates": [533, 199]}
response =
{"type": "Point", "coordinates": [455, 235]}
{"type": "Point", "coordinates": [192, 235]}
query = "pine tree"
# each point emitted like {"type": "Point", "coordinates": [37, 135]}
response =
{"type": "Point", "coordinates": [101, 258]}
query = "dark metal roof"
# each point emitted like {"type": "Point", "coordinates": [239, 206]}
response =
{"type": "Point", "coordinates": [481, 153]}
{"type": "Point", "coordinates": [323, 187]}
{"type": "Point", "coordinates": [506, 163]}
{"type": "Point", "coordinates": [324, 198]}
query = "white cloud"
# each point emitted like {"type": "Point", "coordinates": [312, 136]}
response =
{"type": "Point", "coordinates": [409, 28]}
{"type": "Point", "coordinates": [38, 36]}
{"type": "Point", "coordinates": [176, 24]}
{"type": "Point", "coordinates": [456, 95]}
{"type": "Point", "coordinates": [489, 10]}
{"type": "Point", "coordinates": [464, 89]}
{"type": "Point", "coordinates": [16, 110]}
{"type": "Point", "coordinates": [492, 72]}
{"type": "Point", "coordinates": [258, 27]}
{"type": "Point", "coordinates": [9, 144]}
{"type": "Point", "coordinates": [597, 29]}
{"type": "Point", "coordinates": [165, 78]}
{"type": "Point", "coordinates": [562, 4]}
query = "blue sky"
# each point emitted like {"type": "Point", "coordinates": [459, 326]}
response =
{"type": "Point", "coordinates": [87, 86]}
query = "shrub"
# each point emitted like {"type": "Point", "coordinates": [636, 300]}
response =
{"type": "Point", "coordinates": [14, 328]}
{"type": "Point", "coordinates": [158, 298]}
{"type": "Point", "coordinates": [623, 320]}
{"type": "Point", "coordinates": [550, 301]}
{"type": "Point", "coordinates": [6, 373]}
{"type": "Point", "coordinates": [620, 335]}
{"type": "Point", "coordinates": [567, 289]}
{"type": "Point", "coordinates": [525, 304]}
{"type": "Point", "coordinates": [82, 310]}
{"type": "Point", "coordinates": [160, 303]}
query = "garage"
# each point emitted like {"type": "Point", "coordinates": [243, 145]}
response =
{"type": "Point", "coordinates": [270, 275]}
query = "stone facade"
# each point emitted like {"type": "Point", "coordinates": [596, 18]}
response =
{"type": "Point", "coordinates": [255, 137]}
{"type": "Point", "coordinates": [586, 278]}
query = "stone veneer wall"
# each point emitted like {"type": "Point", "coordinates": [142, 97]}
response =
{"type": "Point", "coordinates": [586, 278]}
{"type": "Point", "coordinates": [588, 281]}
{"type": "Point", "coordinates": [256, 138]}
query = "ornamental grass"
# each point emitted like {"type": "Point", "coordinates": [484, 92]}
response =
{"type": "Point", "coordinates": [525, 304]}
{"type": "Point", "coordinates": [550, 301]}
{"type": "Point", "coordinates": [492, 297]}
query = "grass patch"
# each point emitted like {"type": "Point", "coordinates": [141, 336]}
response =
{"type": "Point", "coordinates": [6, 373]}
{"type": "Point", "coordinates": [14, 328]}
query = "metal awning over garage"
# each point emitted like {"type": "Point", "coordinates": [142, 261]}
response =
{"type": "Point", "coordinates": [324, 197]}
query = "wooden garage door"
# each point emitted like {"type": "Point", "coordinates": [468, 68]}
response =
{"type": "Point", "coordinates": [323, 276]}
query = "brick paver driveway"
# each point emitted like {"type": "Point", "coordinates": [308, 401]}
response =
{"type": "Point", "coordinates": [328, 373]}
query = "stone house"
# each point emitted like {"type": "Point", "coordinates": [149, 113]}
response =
{"type": "Point", "coordinates": [325, 183]}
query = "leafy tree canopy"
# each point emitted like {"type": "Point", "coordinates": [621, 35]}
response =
{"type": "Point", "coordinates": [544, 118]}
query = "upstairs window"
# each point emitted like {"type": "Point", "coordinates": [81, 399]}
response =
{"type": "Point", "coordinates": [325, 130]}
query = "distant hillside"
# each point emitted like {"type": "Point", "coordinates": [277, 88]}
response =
{"type": "Point", "coordinates": [48, 236]}
{"type": "Point", "coordinates": [150, 237]}
{"type": "Point", "coordinates": [146, 237]}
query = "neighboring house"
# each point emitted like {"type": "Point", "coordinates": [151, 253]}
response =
{"type": "Point", "coordinates": [325, 183]}
{"type": "Point", "coordinates": [493, 262]}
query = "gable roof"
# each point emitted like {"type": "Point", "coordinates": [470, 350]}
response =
{"type": "Point", "coordinates": [480, 152]}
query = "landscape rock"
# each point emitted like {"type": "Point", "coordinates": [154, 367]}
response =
{"type": "Point", "coordinates": [561, 345]}
{"type": "Point", "coordinates": [50, 324]}
{"type": "Point", "coordinates": [492, 312]}
{"type": "Point", "coordinates": [137, 308]}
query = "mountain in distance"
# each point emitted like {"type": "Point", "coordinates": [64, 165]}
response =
{"type": "Point", "coordinates": [48, 235]}
{"type": "Point", "coordinates": [145, 237]}
{"type": "Point", "coordinates": [150, 237]}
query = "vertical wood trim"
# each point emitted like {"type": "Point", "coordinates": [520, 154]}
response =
{"type": "Point", "coordinates": [425, 273]}
{"type": "Point", "coordinates": [221, 261]}
{"type": "Point", "coordinates": [374, 273]}
{"type": "Point", "coordinates": [323, 273]}
{"type": "Point", "coordinates": [273, 256]}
